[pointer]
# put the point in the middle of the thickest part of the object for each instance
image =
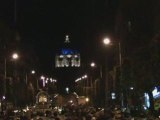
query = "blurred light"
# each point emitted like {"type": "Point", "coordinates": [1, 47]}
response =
{"type": "Point", "coordinates": [145, 108]}
{"type": "Point", "coordinates": [4, 97]}
{"type": "Point", "coordinates": [146, 100]}
{"type": "Point", "coordinates": [131, 88]}
{"type": "Point", "coordinates": [93, 64]}
{"type": "Point", "coordinates": [42, 77]}
{"type": "Point", "coordinates": [69, 56]}
{"type": "Point", "coordinates": [61, 56]}
{"type": "Point", "coordinates": [46, 81]}
{"type": "Point", "coordinates": [81, 78]}
{"type": "Point", "coordinates": [15, 56]}
{"type": "Point", "coordinates": [85, 76]}
{"type": "Point", "coordinates": [59, 110]}
{"type": "Point", "coordinates": [27, 108]}
{"type": "Point", "coordinates": [15, 111]}
{"type": "Point", "coordinates": [67, 89]}
{"type": "Point", "coordinates": [76, 94]}
{"type": "Point", "coordinates": [156, 93]}
{"type": "Point", "coordinates": [87, 99]}
{"type": "Point", "coordinates": [33, 72]}
{"type": "Point", "coordinates": [106, 41]}
{"type": "Point", "coordinates": [24, 110]}
{"type": "Point", "coordinates": [56, 96]}
{"type": "Point", "coordinates": [113, 95]}
{"type": "Point", "coordinates": [51, 80]}
{"type": "Point", "coordinates": [78, 79]}
{"type": "Point", "coordinates": [76, 56]}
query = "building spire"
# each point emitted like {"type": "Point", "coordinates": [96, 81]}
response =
{"type": "Point", "coordinates": [67, 39]}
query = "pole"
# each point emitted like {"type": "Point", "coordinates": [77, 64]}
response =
{"type": "Point", "coordinates": [37, 84]}
{"type": "Point", "coordinates": [103, 89]}
{"type": "Point", "coordinates": [5, 75]}
{"type": "Point", "coordinates": [100, 71]}
{"type": "Point", "coordinates": [120, 55]}
{"type": "Point", "coordinates": [26, 79]}
{"type": "Point", "coordinates": [120, 65]}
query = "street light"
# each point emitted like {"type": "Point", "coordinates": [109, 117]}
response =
{"type": "Point", "coordinates": [107, 41]}
{"type": "Point", "coordinates": [14, 56]}
{"type": "Point", "coordinates": [33, 72]}
{"type": "Point", "coordinates": [93, 64]}
{"type": "Point", "coordinates": [95, 85]}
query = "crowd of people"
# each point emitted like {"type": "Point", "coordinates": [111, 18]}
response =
{"type": "Point", "coordinates": [76, 113]}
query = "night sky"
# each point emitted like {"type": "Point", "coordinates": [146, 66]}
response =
{"type": "Point", "coordinates": [43, 25]}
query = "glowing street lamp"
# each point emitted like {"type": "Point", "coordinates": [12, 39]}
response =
{"type": "Point", "coordinates": [106, 41]}
{"type": "Point", "coordinates": [93, 64]}
{"type": "Point", "coordinates": [15, 56]}
{"type": "Point", "coordinates": [33, 72]}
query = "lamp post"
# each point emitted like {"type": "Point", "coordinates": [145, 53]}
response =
{"type": "Point", "coordinates": [33, 72]}
{"type": "Point", "coordinates": [95, 85]}
{"type": "Point", "coordinates": [14, 57]}
{"type": "Point", "coordinates": [95, 65]}
{"type": "Point", "coordinates": [5, 74]}
{"type": "Point", "coordinates": [107, 41]}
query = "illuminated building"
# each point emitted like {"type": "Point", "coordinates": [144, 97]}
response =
{"type": "Point", "coordinates": [67, 57]}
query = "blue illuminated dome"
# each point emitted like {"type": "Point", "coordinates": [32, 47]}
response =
{"type": "Point", "coordinates": [67, 57]}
